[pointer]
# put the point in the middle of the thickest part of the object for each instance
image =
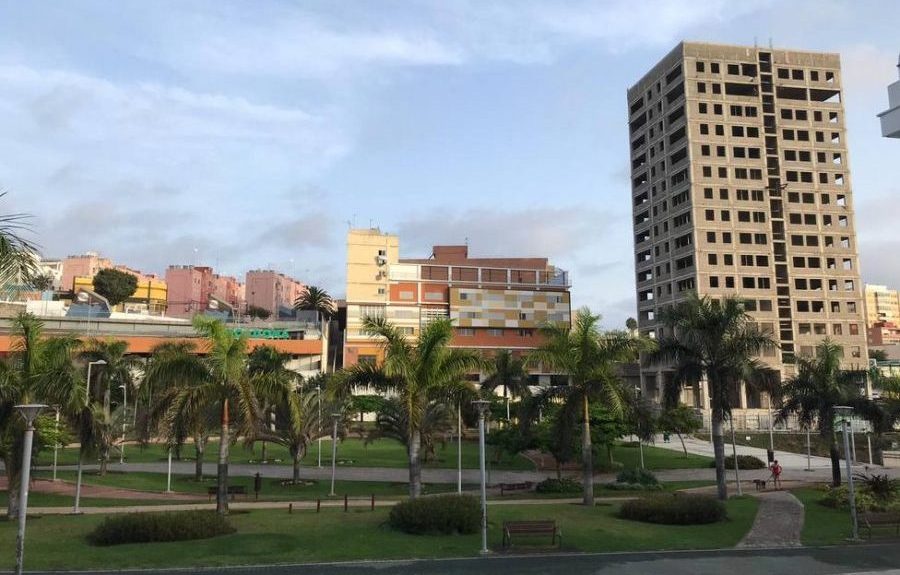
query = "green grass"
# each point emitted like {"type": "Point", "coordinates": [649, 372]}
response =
{"type": "Point", "coordinates": [272, 490]}
{"type": "Point", "coordinates": [36, 499]}
{"type": "Point", "coordinates": [58, 542]}
{"type": "Point", "coordinates": [822, 525]}
{"type": "Point", "coordinates": [656, 458]}
{"type": "Point", "coordinates": [352, 452]}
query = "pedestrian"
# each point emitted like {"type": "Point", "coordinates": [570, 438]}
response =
{"type": "Point", "coordinates": [666, 437]}
{"type": "Point", "coordinates": [776, 474]}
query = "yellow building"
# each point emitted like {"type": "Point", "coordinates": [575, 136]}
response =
{"type": "Point", "coordinates": [882, 305]}
{"type": "Point", "coordinates": [149, 297]}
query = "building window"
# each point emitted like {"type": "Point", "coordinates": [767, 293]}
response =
{"type": "Point", "coordinates": [465, 332]}
{"type": "Point", "coordinates": [494, 332]}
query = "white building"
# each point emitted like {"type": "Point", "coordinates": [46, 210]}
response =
{"type": "Point", "coordinates": [890, 118]}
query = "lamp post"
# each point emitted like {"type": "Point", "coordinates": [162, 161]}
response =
{"type": "Point", "coordinates": [28, 412]}
{"type": "Point", "coordinates": [482, 406]}
{"type": "Point", "coordinates": [124, 419]}
{"type": "Point", "coordinates": [336, 417]}
{"type": "Point", "coordinates": [844, 412]}
{"type": "Point", "coordinates": [319, 440]}
{"type": "Point", "coordinates": [87, 403]}
{"type": "Point", "coordinates": [737, 478]}
{"type": "Point", "coordinates": [169, 472]}
{"type": "Point", "coordinates": [458, 448]}
{"type": "Point", "coordinates": [808, 451]}
{"type": "Point", "coordinates": [56, 444]}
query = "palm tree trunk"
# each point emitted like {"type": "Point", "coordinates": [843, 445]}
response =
{"type": "Point", "coordinates": [587, 462]}
{"type": "Point", "coordinates": [415, 466]}
{"type": "Point", "coordinates": [835, 455]}
{"type": "Point", "coordinates": [12, 491]}
{"type": "Point", "coordinates": [104, 459]}
{"type": "Point", "coordinates": [222, 469]}
{"type": "Point", "coordinates": [877, 449]}
{"type": "Point", "coordinates": [199, 447]}
{"type": "Point", "coordinates": [683, 446]}
{"type": "Point", "coordinates": [296, 471]}
{"type": "Point", "coordinates": [718, 437]}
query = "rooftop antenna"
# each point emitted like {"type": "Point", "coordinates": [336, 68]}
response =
{"type": "Point", "coordinates": [755, 43]}
{"type": "Point", "coordinates": [467, 241]}
{"type": "Point", "coordinates": [770, 43]}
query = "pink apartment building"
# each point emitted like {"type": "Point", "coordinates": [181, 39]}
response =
{"type": "Point", "coordinates": [271, 290]}
{"type": "Point", "coordinates": [84, 265]}
{"type": "Point", "coordinates": [189, 289]}
{"type": "Point", "coordinates": [229, 290]}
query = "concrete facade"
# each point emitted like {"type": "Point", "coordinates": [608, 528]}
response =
{"type": "Point", "coordinates": [741, 186]}
{"type": "Point", "coordinates": [84, 265]}
{"type": "Point", "coordinates": [189, 288]}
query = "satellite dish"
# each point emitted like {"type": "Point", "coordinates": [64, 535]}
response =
{"type": "Point", "coordinates": [213, 304]}
{"type": "Point", "coordinates": [83, 297]}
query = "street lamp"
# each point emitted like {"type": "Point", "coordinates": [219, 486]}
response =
{"type": "Point", "coordinates": [87, 403]}
{"type": "Point", "coordinates": [844, 412]}
{"type": "Point", "coordinates": [482, 406]}
{"type": "Point", "coordinates": [336, 417]}
{"type": "Point", "coordinates": [458, 448]}
{"type": "Point", "coordinates": [124, 419]}
{"type": "Point", "coordinates": [319, 440]}
{"type": "Point", "coordinates": [28, 412]}
{"type": "Point", "coordinates": [56, 444]}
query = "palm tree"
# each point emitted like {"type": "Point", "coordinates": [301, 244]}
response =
{"type": "Point", "coordinates": [714, 341]}
{"type": "Point", "coordinates": [218, 381]}
{"type": "Point", "coordinates": [35, 366]}
{"type": "Point", "coordinates": [172, 367]}
{"type": "Point", "coordinates": [417, 373]}
{"type": "Point", "coordinates": [391, 421]}
{"type": "Point", "coordinates": [315, 299]}
{"type": "Point", "coordinates": [820, 385]}
{"type": "Point", "coordinates": [509, 371]}
{"type": "Point", "coordinates": [269, 364]}
{"type": "Point", "coordinates": [296, 424]}
{"type": "Point", "coordinates": [589, 357]}
{"type": "Point", "coordinates": [117, 376]}
{"type": "Point", "coordinates": [18, 256]}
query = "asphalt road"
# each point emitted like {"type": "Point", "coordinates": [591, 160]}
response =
{"type": "Point", "coordinates": [884, 558]}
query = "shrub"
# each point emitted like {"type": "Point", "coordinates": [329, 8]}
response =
{"type": "Point", "coordinates": [156, 527]}
{"type": "Point", "coordinates": [744, 462]}
{"type": "Point", "coordinates": [639, 476]}
{"type": "Point", "coordinates": [838, 498]}
{"type": "Point", "coordinates": [564, 485]}
{"type": "Point", "coordinates": [674, 509]}
{"type": "Point", "coordinates": [632, 487]}
{"type": "Point", "coordinates": [442, 514]}
{"type": "Point", "coordinates": [880, 487]}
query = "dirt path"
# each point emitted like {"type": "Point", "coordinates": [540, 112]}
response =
{"type": "Point", "coordinates": [98, 491]}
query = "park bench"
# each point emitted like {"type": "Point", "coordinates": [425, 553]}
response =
{"type": "Point", "coordinates": [232, 491]}
{"type": "Point", "coordinates": [880, 519]}
{"type": "Point", "coordinates": [525, 486]}
{"type": "Point", "coordinates": [531, 528]}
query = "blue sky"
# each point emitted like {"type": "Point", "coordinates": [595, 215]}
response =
{"type": "Point", "coordinates": [256, 131]}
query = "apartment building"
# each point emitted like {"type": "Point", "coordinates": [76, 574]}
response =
{"type": "Point", "coordinates": [890, 118]}
{"type": "Point", "coordinates": [741, 186]}
{"type": "Point", "coordinates": [189, 289]}
{"type": "Point", "coordinates": [272, 291]}
{"type": "Point", "coordinates": [495, 303]}
{"type": "Point", "coordinates": [82, 265]}
{"type": "Point", "coordinates": [882, 315]}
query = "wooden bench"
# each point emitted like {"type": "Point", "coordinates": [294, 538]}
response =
{"type": "Point", "coordinates": [880, 519]}
{"type": "Point", "coordinates": [233, 490]}
{"type": "Point", "coordinates": [531, 528]}
{"type": "Point", "coordinates": [504, 487]}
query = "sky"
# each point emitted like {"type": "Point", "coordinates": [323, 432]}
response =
{"type": "Point", "coordinates": [246, 135]}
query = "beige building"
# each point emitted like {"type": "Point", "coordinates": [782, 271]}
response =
{"type": "Point", "coordinates": [741, 186]}
{"type": "Point", "coordinates": [494, 302]}
{"type": "Point", "coordinates": [882, 305]}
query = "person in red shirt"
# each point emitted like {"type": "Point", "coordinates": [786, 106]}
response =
{"type": "Point", "coordinates": [776, 474]}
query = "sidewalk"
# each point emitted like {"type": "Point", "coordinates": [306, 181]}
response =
{"type": "Point", "coordinates": [788, 461]}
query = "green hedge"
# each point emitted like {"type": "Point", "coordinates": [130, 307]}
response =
{"type": "Point", "coordinates": [744, 462]}
{"type": "Point", "coordinates": [674, 509]}
{"type": "Point", "coordinates": [564, 485]}
{"type": "Point", "coordinates": [639, 476]}
{"type": "Point", "coordinates": [156, 527]}
{"type": "Point", "coordinates": [437, 515]}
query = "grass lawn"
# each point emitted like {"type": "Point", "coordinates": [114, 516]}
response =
{"type": "Point", "coordinates": [352, 452]}
{"type": "Point", "coordinates": [36, 499]}
{"type": "Point", "coordinates": [656, 458]}
{"type": "Point", "coordinates": [822, 525]}
{"type": "Point", "coordinates": [272, 490]}
{"type": "Point", "coordinates": [58, 542]}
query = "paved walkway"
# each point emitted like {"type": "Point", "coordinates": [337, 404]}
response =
{"type": "Point", "coordinates": [100, 491]}
{"type": "Point", "coordinates": [788, 461]}
{"type": "Point", "coordinates": [778, 522]}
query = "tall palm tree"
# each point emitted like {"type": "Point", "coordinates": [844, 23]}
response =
{"type": "Point", "coordinates": [115, 380]}
{"type": "Point", "coordinates": [509, 371]}
{"type": "Point", "coordinates": [714, 341]}
{"type": "Point", "coordinates": [820, 385]}
{"type": "Point", "coordinates": [417, 373]}
{"type": "Point", "coordinates": [589, 357]}
{"type": "Point", "coordinates": [35, 366]}
{"type": "Point", "coordinates": [18, 261]}
{"type": "Point", "coordinates": [391, 421]}
{"type": "Point", "coordinates": [297, 424]}
{"type": "Point", "coordinates": [315, 299]}
{"type": "Point", "coordinates": [218, 381]}
{"type": "Point", "coordinates": [173, 366]}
